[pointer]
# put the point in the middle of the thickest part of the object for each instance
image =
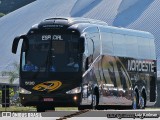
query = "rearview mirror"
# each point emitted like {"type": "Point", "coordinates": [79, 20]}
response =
{"type": "Point", "coordinates": [81, 45]}
{"type": "Point", "coordinates": [16, 41]}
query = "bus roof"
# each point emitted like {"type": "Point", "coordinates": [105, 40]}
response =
{"type": "Point", "coordinates": [125, 31]}
{"type": "Point", "coordinates": [69, 22]}
{"type": "Point", "coordinates": [76, 20]}
{"type": "Point", "coordinates": [82, 23]}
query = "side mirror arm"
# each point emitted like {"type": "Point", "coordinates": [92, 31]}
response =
{"type": "Point", "coordinates": [16, 41]}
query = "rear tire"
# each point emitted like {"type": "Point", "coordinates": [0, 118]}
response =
{"type": "Point", "coordinates": [135, 100]}
{"type": "Point", "coordinates": [142, 102]}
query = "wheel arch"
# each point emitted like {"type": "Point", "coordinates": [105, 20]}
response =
{"type": "Point", "coordinates": [136, 89]}
{"type": "Point", "coordinates": [143, 92]}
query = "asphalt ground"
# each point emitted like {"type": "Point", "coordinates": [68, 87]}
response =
{"type": "Point", "coordinates": [84, 114]}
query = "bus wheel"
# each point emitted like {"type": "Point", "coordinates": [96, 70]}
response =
{"type": "Point", "coordinates": [141, 102]}
{"type": "Point", "coordinates": [135, 101]}
{"type": "Point", "coordinates": [94, 101]}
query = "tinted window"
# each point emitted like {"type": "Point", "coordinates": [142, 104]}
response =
{"type": "Point", "coordinates": [107, 43]}
{"type": "Point", "coordinates": [93, 43]}
{"type": "Point", "coordinates": [131, 46]}
{"type": "Point", "coordinates": [143, 48]}
{"type": "Point", "coordinates": [152, 49]}
{"type": "Point", "coordinates": [54, 53]}
{"type": "Point", "coordinates": [119, 45]}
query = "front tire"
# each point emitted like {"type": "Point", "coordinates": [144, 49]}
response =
{"type": "Point", "coordinates": [94, 102]}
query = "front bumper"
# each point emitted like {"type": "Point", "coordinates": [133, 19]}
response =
{"type": "Point", "coordinates": [63, 100]}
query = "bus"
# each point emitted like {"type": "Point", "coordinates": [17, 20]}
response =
{"type": "Point", "coordinates": [84, 63]}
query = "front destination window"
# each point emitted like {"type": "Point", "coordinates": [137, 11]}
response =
{"type": "Point", "coordinates": [52, 53]}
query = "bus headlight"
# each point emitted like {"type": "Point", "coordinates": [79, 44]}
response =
{"type": "Point", "coordinates": [24, 91]}
{"type": "Point", "coordinates": [74, 91]}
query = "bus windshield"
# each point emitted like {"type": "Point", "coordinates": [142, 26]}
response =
{"type": "Point", "coordinates": [52, 53]}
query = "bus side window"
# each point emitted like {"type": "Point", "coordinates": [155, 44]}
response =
{"type": "Point", "coordinates": [107, 43]}
{"type": "Point", "coordinates": [96, 47]}
{"type": "Point", "coordinates": [23, 60]}
{"type": "Point", "coordinates": [119, 45]}
{"type": "Point", "coordinates": [143, 48]}
{"type": "Point", "coordinates": [86, 48]}
{"type": "Point", "coordinates": [131, 46]}
{"type": "Point", "coordinates": [23, 55]}
{"type": "Point", "coordinates": [152, 49]}
{"type": "Point", "coordinates": [93, 38]}
{"type": "Point", "coordinates": [90, 45]}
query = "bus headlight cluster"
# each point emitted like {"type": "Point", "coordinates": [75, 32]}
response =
{"type": "Point", "coordinates": [24, 91]}
{"type": "Point", "coordinates": [74, 91]}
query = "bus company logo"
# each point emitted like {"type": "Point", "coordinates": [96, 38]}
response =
{"type": "Point", "coordinates": [48, 86]}
{"type": "Point", "coordinates": [141, 65]}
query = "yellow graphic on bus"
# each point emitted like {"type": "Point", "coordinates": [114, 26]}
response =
{"type": "Point", "coordinates": [48, 86]}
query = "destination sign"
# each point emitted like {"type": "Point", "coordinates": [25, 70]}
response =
{"type": "Point", "coordinates": [52, 37]}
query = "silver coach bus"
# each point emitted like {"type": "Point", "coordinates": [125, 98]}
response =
{"type": "Point", "coordinates": [95, 65]}
{"type": "Point", "coordinates": [122, 62]}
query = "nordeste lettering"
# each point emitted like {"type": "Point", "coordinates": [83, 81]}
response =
{"type": "Point", "coordinates": [141, 66]}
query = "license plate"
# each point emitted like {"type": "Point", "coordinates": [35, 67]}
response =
{"type": "Point", "coordinates": [47, 99]}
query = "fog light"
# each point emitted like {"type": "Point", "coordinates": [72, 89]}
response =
{"type": "Point", "coordinates": [23, 98]}
{"type": "Point", "coordinates": [75, 98]}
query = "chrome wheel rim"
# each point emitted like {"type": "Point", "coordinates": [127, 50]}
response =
{"type": "Point", "coordinates": [141, 102]}
{"type": "Point", "coordinates": [94, 101]}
